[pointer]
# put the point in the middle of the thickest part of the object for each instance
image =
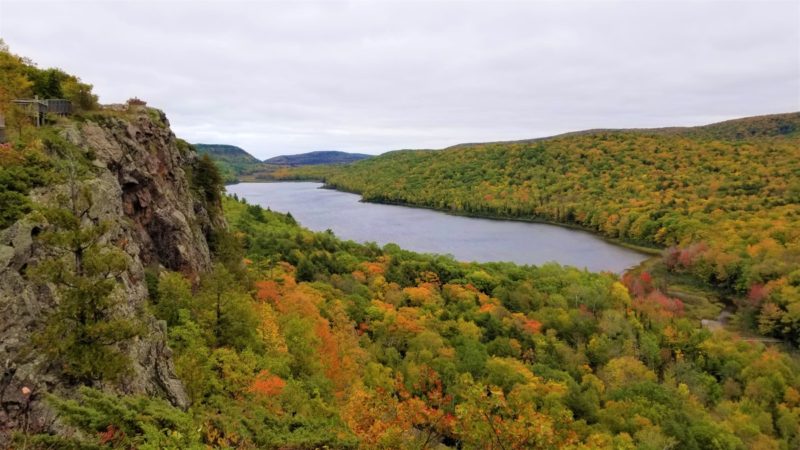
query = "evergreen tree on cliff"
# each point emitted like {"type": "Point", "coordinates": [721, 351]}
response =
{"type": "Point", "coordinates": [82, 334]}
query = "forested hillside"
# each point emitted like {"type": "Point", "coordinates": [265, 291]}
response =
{"type": "Point", "coordinates": [735, 129]}
{"type": "Point", "coordinates": [232, 161]}
{"type": "Point", "coordinates": [235, 164]}
{"type": "Point", "coordinates": [318, 157]}
{"type": "Point", "coordinates": [724, 199]}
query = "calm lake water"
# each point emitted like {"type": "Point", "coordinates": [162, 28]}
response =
{"type": "Point", "coordinates": [427, 231]}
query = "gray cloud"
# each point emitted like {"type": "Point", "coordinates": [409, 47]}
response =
{"type": "Point", "coordinates": [287, 77]}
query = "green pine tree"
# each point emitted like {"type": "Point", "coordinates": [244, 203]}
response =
{"type": "Point", "coordinates": [82, 334]}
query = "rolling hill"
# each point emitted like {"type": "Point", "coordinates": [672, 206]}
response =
{"type": "Point", "coordinates": [235, 164]}
{"type": "Point", "coordinates": [232, 161]}
{"type": "Point", "coordinates": [736, 129]}
{"type": "Point", "coordinates": [229, 153]}
{"type": "Point", "coordinates": [318, 157]}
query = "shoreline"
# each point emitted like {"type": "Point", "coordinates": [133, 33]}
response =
{"type": "Point", "coordinates": [650, 255]}
{"type": "Point", "coordinates": [651, 252]}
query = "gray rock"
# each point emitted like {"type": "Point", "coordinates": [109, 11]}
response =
{"type": "Point", "coordinates": [142, 187]}
{"type": "Point", "coordinates": [6, 253]}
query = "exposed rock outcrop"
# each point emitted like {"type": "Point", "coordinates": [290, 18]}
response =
{"type": "Point", "coordinates": [142, 185]}
{"type": "Point", "coordinates": [170, 225]}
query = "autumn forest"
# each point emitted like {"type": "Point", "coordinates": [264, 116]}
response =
{"type": "Point", "coordinates": [145, 308]}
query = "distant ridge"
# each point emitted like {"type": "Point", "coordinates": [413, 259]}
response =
{"type": "Point", "coordinates": [318, 157]}
{"type": "Point", "coordinates": [224, 152]}
{"type": "Point", "coordinates": [734, 129]}
{"type": "Point", "coordinates": [236, 164]}
{"type": "Point", "coordinates": [231, 160]}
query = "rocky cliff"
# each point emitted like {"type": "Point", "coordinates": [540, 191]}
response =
{"type": "Point", "coordinates": [141, 180]}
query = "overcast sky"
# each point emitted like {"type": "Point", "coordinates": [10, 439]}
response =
{"type": "Point", "coordinates": [289, 77]}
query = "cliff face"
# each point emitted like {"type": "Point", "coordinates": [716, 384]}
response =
{"type": "Point", "coordinates": [142, 182]}
{"type": "Point", "coordinates": [170, 226]}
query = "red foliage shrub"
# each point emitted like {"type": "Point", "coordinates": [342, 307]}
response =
{"type": "Point", "coordinates": [267, 384]}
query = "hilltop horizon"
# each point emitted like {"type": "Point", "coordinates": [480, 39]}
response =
{"type": "Point", "coordinates": [662, 128]}
{"type": "Point", "coordinates": [395, 76]}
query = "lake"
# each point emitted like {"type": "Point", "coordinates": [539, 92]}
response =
{"type": "Point", "coordinates": [428, 231]}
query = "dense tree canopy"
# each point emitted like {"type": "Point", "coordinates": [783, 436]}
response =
{"type": "Point", "coordinates": [384, 348]}
{"type": "Point", "coordinates": [723, 199]}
